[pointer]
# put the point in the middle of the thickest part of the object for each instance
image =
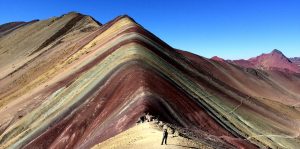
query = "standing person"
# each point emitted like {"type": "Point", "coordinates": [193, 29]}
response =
{"type": "Point", "coordinates": [165, 137]}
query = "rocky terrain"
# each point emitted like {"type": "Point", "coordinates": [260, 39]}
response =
{"type": "Point", "coordinates": [72, 82]}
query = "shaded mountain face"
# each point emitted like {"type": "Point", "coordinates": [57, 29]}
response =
{"type": "Point", "coordinates": [70, 82]}
{"type": "Point", "coordinates": [275, 60]}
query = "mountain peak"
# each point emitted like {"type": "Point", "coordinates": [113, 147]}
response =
{"type": "Point", "coordinates": [275, 51]}
{"type": "Point", "coordinates": [275, 60]}
{"type": "Point", "coordinates": [127, 17]}
{"type": "Point", "coordinates": [216, 58]}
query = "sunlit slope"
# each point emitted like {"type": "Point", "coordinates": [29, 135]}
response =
{"type": "Point", "coordinates": [117, 73]}
{"type": "Point", "coordinates": [273, 95]}
{"type": "Point", "coordinates": [25, 75]}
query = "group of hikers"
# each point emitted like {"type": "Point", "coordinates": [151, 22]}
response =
{"type": "Point", "coordinates": [148, 118]}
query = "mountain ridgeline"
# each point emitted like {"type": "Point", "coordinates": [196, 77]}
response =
{"type": "Point", "coordinates": [275, 60]}
{"type": "Point", "coordinates": [72, 82]}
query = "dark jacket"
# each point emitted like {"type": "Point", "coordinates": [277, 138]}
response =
{"type": "Point", "coordinates": [165, 134]}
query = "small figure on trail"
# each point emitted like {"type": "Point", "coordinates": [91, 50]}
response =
{"type": "Point", "coordinates": [165, 137]}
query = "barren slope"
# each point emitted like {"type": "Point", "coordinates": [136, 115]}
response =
{"type": "Point", "coordinates": [80, 84]}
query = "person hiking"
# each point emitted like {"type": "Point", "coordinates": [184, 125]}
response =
{"type": "Point", "coordinates": [165, 137]}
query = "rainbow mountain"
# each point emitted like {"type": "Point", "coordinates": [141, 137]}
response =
{"type": "Point", "coordinates": [71, 82]}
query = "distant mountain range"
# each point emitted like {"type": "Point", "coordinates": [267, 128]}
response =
{"type": "Point", "coordinates": [295, 60]}
{"type": "Point", "coordinates": [274, 60]}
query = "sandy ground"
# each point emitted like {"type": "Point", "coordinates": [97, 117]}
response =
{"type": "Point", "coordinates": [147, 135]}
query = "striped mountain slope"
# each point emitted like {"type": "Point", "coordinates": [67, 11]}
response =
{"type": "Point", "coordinates": [74, 83]}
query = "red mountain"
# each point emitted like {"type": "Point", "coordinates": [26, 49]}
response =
{"type": "Point", "coordinates": [216, 58]}
{"type": "Point", "coordinates": [275, 60]}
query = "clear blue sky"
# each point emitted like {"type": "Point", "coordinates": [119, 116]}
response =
{"type": "Point", "coordinates": [231, 29]}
